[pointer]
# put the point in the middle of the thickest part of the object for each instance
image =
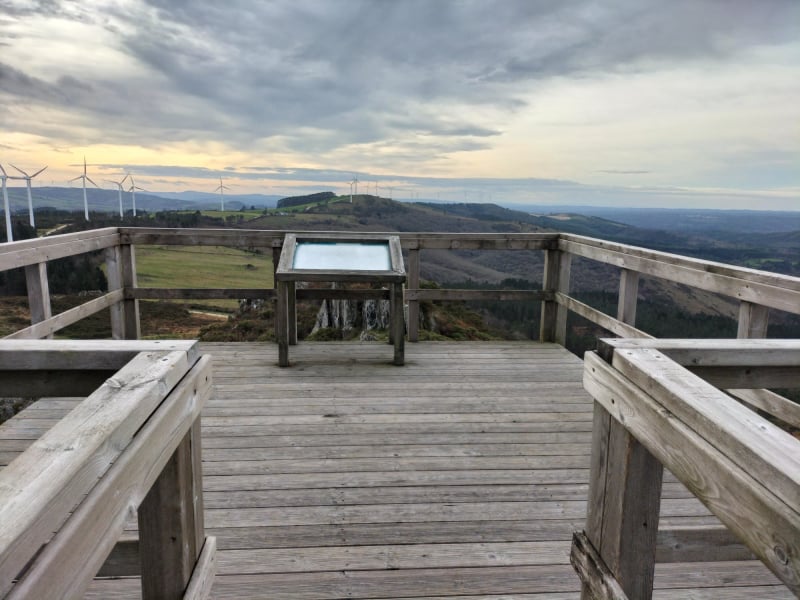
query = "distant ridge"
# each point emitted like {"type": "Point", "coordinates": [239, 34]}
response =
{"type": "Point", "coordinates": [102, 200]}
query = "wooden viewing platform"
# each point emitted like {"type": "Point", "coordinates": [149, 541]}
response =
{"type": "Point", "coordinates": [462, 475]}
{"type": "Point", "coordinates": [487, 471]}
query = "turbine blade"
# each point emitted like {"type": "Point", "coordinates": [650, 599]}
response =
{"type": "Point", "coordinates": [76, 178]}
{"type": "Point", "coordinates": [89, 179]}
{"type": "Point", "coordinates": [3, 171]}
{"type": "Point", "coordinates": [124, 178]}
{"type": "Point", "coordinates": [37, 172]}
{"type": "Point", "coordinates": [20, 170]}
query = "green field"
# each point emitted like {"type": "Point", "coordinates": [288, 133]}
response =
{"type": "Point", "coordinates": [203, 267]}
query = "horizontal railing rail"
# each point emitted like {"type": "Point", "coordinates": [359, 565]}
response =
{"type": "Point", "coordinates": [756, 291]}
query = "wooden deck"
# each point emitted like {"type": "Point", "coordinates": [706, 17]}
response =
{"type": "Point", "coordinates": [461, 474]}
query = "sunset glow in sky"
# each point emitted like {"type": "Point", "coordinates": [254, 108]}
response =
{"type": "Point", "coordinates": [632, 102]}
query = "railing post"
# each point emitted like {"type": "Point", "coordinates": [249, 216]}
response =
{"type": "Point", "coordinates": [623, 508]}
{"type": "Point", "coordinates": [171, 527]}
{"type": "Point", "coordinates": [131, 329]}
{"type": "Point", "coordinates": [113, 260]}
{"type": "Point", "coordinates": [753, 320]}
{"type": "Point", "coordinates": [556, 279]}
{"type": "Point", "coordinates": [276, 258]}
{"type": "Point", "coordinates": [291, 311]}
{"type": "Point", "coordinates": [628, 294]}
{"type": "Point", "coordinates": [413, 305]}
{"type": "Point", "coordinates": [38, 293]}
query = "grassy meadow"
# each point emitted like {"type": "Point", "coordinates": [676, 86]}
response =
{"type": "Point", "coordinates": [203, 267]}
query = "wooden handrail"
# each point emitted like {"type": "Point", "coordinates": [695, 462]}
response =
{"type": "Point", "coordinates": [83, 476]}
{"type": "Point", "coordinates": [650, 410]}
{"type": "Point", "coordinates": [756, 290]}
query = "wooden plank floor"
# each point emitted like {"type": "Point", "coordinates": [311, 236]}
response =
{"type": "Point", "coordinates": [461, 475]}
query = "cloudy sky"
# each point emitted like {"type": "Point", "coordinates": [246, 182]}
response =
{"type": "Point", "coordinates": [633, 102]}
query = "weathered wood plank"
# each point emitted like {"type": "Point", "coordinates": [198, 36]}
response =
{"type": "Point", "coordinates": [753, 320]}
{"type": "Point", "coordinates": [728, 270]}
{"type": "Point", "coordinates": [168, 531]}
{"type": "Point", "coordinates": [81, 545]}
{"type": "Point", "coordinates": [113, 260]}
{"type": "Point", "coordinates": [765, 523]}
{"type": "Point", "coordinates": [716, 352]}
{"type": "Point", "coordinates": [84, 354]}
{"type": "Point", "coordinates": [200, 293]}
{"type": "Point", "coordinates": [556, 281]}
{"type": "Point", "coordinates": [774, 404]}
{"type": "Point", "coordinates": [38, 292]}
{"type": "Point", "coordinates": [132, 329]}
{"type": "Point", "coordinates": [726, 581]}
{"type": "Point", "coordinates": [413, 284]}
{"type": "Point", "coordinates": [47, 480]}
{"type": "Point", "coordinates": [412, 294]}
{"type": "Point", "coordinates": [783, 292]}
{"type": "Point", "coordinates": [39, 250]}
{"type": "Point", "coordinates": [624, 508]}
{"type": "Point", "coordinates": [236, 238]}
{"type": "Point", "coordinates": [598, 580]}
{"type": "Point", "coordinates": [398, 478]}
{"type": "Point", "coordinates": [759, 447]}
{"type": "Point", "coordinates": [68, 317]}
{"type": "Point", "coordinates": [628, 297]}
{"type": "Point", "coordinates": [377, 557]}
{"type": "Point", "coordinates": [393, 451]}
{"type": "Point", "coordinates": [202, 580]}
{"type": "Point", "coordinates": [605, 321]}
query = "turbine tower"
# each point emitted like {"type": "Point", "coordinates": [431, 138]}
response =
{"type": "Point", "coordinates": [3, 177]}
{"type": "Point", "coordinates": [27, 179]}
{"type": "Point", "coordinates": [132, 190]}
{"type": "Point", "coordinates": [120, 190]}
{"type": "Point", "coordinates": [221, 189]}
{"type": "Point", "coordinates": [85, 178]}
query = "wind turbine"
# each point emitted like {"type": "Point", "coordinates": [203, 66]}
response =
{"type": "Point", "coordinates": [28, 178]}
{"type": "Point", "coordinates": [221, 189]}
{"type": "Point", "coordinates": [354, 182]}
{"type": "Point", "coordinates": [85, 178]}
{"type": "Point", "coordinates": [120, 190]}
{"type": "Point", "coordinates": [132, 190]}
{"type": "Point", "coordinates": [3, 177]}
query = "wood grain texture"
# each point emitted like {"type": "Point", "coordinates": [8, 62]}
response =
{"type": "Point", "coordinates": [468, 447]}
{"type": "Point", "coordinates": [762, 520]}
{"type": "Point", "coordinates": [68, 317]}
{"type": "Point", "coordinates": [598, 580]}
{"type": "Point", "coordinates": [39, 488]}
{"type": "Point", "coordinates": [64, 568]}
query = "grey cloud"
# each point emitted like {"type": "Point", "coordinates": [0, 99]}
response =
{"type": "Point", "coordinates": [319, 76]}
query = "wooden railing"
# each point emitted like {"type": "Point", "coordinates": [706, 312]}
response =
{"type": "Point", "coordinates": [756, 291]}
{"type": "Point", "coordinates": [657, 404]}
{"type": "Point", "coordinates": [132, 446]}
